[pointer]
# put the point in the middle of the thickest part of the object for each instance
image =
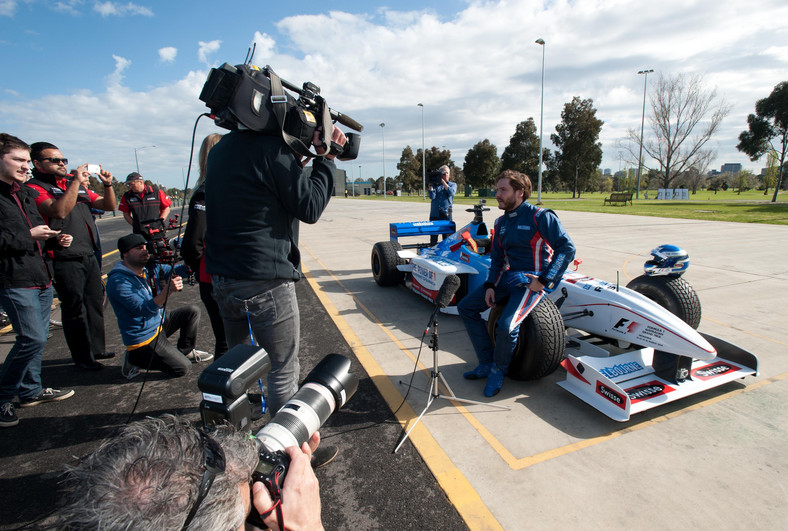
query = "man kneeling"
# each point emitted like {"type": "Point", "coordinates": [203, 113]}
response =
{"type": "Point", "coordinates": [137, 294]}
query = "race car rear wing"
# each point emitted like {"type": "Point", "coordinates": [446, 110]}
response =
{"type": "Point", "coordinates": [419, 228]}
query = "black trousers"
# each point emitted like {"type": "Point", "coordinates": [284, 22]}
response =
{"type": "Point", "coordinates": [78, 285]}
{"type": "Point", "coordinates": [442, 216]}
{"type": "Point", "coordinates": [212, 307]}
{"type": "Point", "coordinates": [160, 354]}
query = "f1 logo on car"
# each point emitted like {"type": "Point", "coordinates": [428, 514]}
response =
{"type": "Point", "coordinates": [622, 325]}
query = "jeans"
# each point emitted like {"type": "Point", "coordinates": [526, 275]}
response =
{"type": "Point", "coordinates": [521, 301]}
{"type": "Point", "coordinates": [268, 310]}
{"type": "Point", "coordinates": [28, 310]}
{"type": "Point", "coordinates": [206, 295]}
{"type": "Point", "coordinates": [160, 354]}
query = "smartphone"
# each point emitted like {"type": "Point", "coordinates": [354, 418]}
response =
{"type": "Point", "coordinates": [94, 168]}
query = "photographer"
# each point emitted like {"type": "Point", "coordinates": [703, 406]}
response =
{"type": "Point", "coordinates": [65, 202]}
{"type": "Point", "coordinates": [149, 477]}
{"type": "Point", "coordinates": [442, 196]}
{"type": "Point", "coordinates": [256, 192]}
{"type": "Point", "coordinates": [137, 299]}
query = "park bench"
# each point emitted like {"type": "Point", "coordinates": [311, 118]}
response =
{"type": "Point", "coordinates": [619, 197]}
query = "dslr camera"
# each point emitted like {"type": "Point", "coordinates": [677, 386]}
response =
{"type": "Point", "coordinates": [161, 250]}
{"type": "Point", "coordinates": [256, 98]}
{"type": "Point", "coordinates": [224, 383]}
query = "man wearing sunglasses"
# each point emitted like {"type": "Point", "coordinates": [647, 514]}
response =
{"type": "Point", "coordinates": [164, 473]}
{"type": "Point", "coordinates": [65, 201]}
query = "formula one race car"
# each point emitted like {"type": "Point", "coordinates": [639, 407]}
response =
{"type": "Point", "coordinates": [625, 349]}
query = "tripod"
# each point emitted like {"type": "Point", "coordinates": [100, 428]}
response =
{"type": "Point", "coordinates": [435, 375]}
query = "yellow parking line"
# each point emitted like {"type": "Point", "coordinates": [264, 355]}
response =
{"type": "Point", "coordinates": [456, 486]}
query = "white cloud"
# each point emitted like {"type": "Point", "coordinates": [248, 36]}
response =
{"type": "Point", "coordinates": [7, 8]}
{"type": "Point", "coordinates": [108, 9]}
{"type": "Point", "coordinates": [121, 64]}
{"type": "Point", "coordinates": [168, 54]}
{"type": "Point", "coordinates": [207, 48]}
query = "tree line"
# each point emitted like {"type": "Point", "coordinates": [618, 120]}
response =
{"type": "Point", "coordinates": [684, 115]}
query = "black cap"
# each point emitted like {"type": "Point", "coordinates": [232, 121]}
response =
{"type": "Point", "coordinates": [133, 176]}
{"type": "Point", "coordinates": [130, 242]}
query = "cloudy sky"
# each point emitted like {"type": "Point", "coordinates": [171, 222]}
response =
{"type": "Point", "coordinates": [100, 79]}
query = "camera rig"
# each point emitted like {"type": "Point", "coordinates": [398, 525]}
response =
{"type": "Point", "coordinates": [434, 178]}
{"type": "Point", "coordinates": [159, 247]}
{"type": "Point", "coordinates": [256, 99]}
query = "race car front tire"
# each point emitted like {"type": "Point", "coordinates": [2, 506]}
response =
{"type": "Point", "coordinates": [384, 263]}
{"type": "Point", "coordinates": [540, 344]}
{"type": "Point", "coordinates": [672, 293]}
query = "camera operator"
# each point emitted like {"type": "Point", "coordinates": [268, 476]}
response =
{"type": "Point", "coordinates": [143, 204]}
{"type": "Point", "coordinates": [442, 196]}
{"type": "Point", "coordinates": [149, 477]}
{"type": "Point", "coordinates": [137, 294]}
{"type": "Point", "coordinates": [256, 192]}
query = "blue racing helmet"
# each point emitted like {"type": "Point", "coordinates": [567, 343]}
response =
{"type": "Point", "coordinates": [667, 260]}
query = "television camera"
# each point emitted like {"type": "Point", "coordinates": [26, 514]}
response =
{"type": "Point", "coordinates": [256, 99]}
{"type": "Point", "coordinates": [434, 178]}
{"type": "Point", "coordinates": [161, 250]}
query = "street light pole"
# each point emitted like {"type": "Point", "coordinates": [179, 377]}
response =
{"type": "Point", "coordinates": [383, 141]}
{"type": "Point", "coordinates": [423, 158]}
{"type": "Point", "coordinates": [360, 177]}
{"type": "Point", "coordinates": [642, 123]}
{"type": "Point", "coordinates": [136, 160]}
{"type": "Point", "coordinates": [541, 43]}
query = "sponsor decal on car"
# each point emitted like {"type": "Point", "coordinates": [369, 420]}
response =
{"type": "Point", "coordinates": [425, 276]}
{"type": "Point", "coordinates": [707, 372]}
{"type": "Point", "coordinates": [464, 257]}
{"type": "Point", "coordinates": [611, 395]}
{"type": "Point", "coordinates": [625, 326]}
{"type": "Point", "coordinates": [621, 369]}
{"type": "Point", "coordinates": [647, 391]}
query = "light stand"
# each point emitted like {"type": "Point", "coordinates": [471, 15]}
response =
{"type": "Point", "coordinates": [435, 375]}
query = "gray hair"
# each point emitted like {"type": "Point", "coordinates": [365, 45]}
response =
{"type": "Point", "coordinates": [148, 476]}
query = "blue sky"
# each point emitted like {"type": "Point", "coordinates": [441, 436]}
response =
{"type": "Point", "coordinates": [102, 78]}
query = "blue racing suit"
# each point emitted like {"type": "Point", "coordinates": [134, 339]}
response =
{"type": "Point", "coordinates": [529, 240]}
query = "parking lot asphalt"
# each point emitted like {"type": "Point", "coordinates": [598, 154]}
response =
{"type": "Point", "coordinates": [712, 461]}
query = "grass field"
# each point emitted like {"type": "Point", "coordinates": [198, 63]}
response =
{"type": "Point", "coordinates": [749, 207]}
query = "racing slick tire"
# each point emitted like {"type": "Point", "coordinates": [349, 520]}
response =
{"type": "Point", "coordinates": [541, 342]}
{"type": "Point", "coordinates": [385, 262]}
{"type": "Point", "coordinates": [672, 293]}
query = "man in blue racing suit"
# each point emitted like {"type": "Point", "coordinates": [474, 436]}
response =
{"type": "Point", "coordinates": [530, 252]}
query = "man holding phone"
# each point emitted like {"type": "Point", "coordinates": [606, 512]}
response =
{"type": "Point", "coordinates": [65, 201]}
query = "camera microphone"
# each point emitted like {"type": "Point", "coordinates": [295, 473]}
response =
{"type": "Point", "coordinates": [449, 287]}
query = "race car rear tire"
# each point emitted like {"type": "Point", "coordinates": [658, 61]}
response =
{"type": "Point", "coordinates": [541, 342]}
{"type": "Point", "coordinates": [672, 293]}
{"type": "Point", "coordinates": [384, 264]}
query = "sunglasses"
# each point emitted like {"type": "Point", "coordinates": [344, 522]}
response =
{"type": "Point", "coordinates": [215, 464]}
{"type": "Point", "coordinates": [56, 160]}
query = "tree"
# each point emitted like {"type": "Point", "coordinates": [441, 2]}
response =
{"type": "Point", "coordinates": [683, 118]}
{"type": "Point", "coordinates": [578, 152]}
{"type": "Point", "coordinates": [772, 171]}
{"type": "Point", "coordinates": [522, 153]}
{"type": "Point", "coordinates": [409, 170]}
{"type": "Point", "coordinates": [481, 164]}
{"type": "Point", "coordinates": [768, 130]}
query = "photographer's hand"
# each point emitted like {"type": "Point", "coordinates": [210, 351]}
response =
{"type": "Point", "coordinates": [337, 137]}
{"type": "Point", "coordinates": [300, 494]}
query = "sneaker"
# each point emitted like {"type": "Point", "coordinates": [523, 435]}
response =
{"type": "Point", "coordinates": [199, 356]}
{"type": "Point", "coordinates": [494, 382]}
{"type": "Point", "coordinates": [323, 456]}
{"type": "Point", "coordinates": [128, 370]}
{"type": "Point", "coordinates": [54, 323]}
{"type": "Point", "coordinates": [480, 372]}
{"type": "Point", "coordinates": [46, 395]}
{"type": "Point", "coordinates": [4, 320]}
{"type": "Point", "coordinates": [8, 417]}
{"type": "Point", "coordinates": [105, 356]}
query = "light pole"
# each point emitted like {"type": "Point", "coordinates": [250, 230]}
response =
{"type": "Point", "coordinates": [136, 160]}
{"type": "Point", "coordinates": [383, 141]}
{"type": "Point", "coordinates": [362, 180]}
{"type": "Point", "coordinates": [642, 123]}
{"type": "Point", "coordinates": [541, 43]}
{"type": "Point", "coordinates": [423, 158]}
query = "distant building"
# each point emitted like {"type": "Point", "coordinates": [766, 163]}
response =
{"type": "Point", "coordinates": [731, 167]}
{"type": "Point", "coordinates": [607, 171]}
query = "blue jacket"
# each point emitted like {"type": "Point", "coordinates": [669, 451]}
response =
{"type": "Point", "coordinates": [139, 318]}
{"type": "Point", "coordinates": [442, 200]}
{"type": "Point", "coordinates": [530, 240]}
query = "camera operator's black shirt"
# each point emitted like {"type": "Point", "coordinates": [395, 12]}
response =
{"type": "Point", "coordinates": [255, 194]}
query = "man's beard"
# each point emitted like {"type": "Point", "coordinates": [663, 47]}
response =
{"type": "Point", "coordinates": [139, 262]}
